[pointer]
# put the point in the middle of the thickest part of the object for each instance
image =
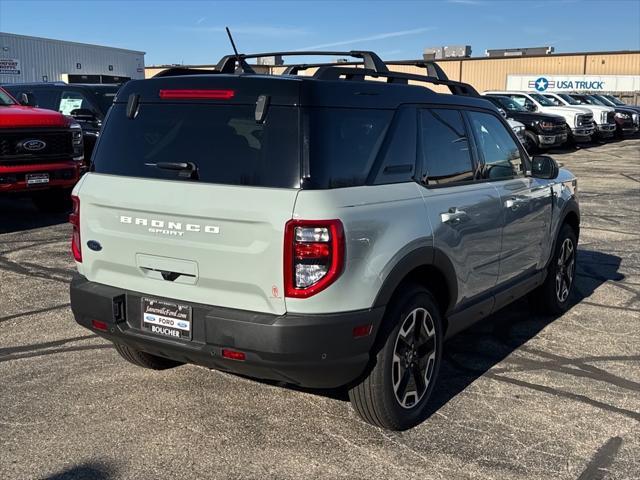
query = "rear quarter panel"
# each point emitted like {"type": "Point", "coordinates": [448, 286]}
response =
{"type": "Point", "coordinates": [381, 223]}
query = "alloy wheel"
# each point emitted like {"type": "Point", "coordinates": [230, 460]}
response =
{"type": "Point", "coordinates": [565, 271]}
{"type": "Point", "coordinates": [414, 357]}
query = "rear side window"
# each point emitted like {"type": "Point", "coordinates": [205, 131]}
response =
{"type": "Point", "coordinates": [445, 147]}
{"type": "Point", "coordinates": [344, 144]}
{"type": "Point", "coordinates": [224, 141]}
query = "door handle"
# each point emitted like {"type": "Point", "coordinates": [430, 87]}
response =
{"type": "Point", "coordinates": [513, 203]}
{"type": "Point", "coordinates": [453, 215]}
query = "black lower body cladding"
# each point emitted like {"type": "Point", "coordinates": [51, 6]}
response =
{"type": "Point", "coordinates": [313, 351]}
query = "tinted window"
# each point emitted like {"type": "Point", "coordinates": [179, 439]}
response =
{"type": "Point", "coordinates": [508, 103]}
{"type": "Point", "coordinates": [5, 99]}
{"type": "Point", "coordinates": [224, 141]}
{"type": "Point", "coordinates": [542, 100]}
{"type": "Point", "coordinates": [556, 102]}
{"type": "Point", "coordinates": [498, 148]}
{"type": "Point", "coordinates": [445, 147]}
{"type": "Point", "coordinates": [399, 151]}
{"type": "Point", "coordinates": [104, 97]}
{"type": "Point", "coordinates": [344, 144]}
{"type": "Point", "coordinates": [73, 100]}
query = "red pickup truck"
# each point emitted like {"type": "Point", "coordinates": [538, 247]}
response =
{"type": "Point", "coordinates": [41, 154]}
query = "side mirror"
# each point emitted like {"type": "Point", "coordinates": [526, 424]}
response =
{"type": "Point", "coordinates": [530, 107]}
{"type": "Point", "coordinates": [84, 115]}
{"type": "Point", "coordinates": [543, 166]}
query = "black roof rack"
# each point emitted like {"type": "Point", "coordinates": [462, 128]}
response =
{"type": "Point", "coordinates": [435, 74]}
{"type": "Point", "coordinates": [228, 63]}
{"type": "Point", "coordinates": [372, 63]}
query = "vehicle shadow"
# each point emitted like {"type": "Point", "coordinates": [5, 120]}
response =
{"type": "Point", "coordinates": [473, 352]}
{"type": "Point", "coordinates": [18, 214]}
{"type": "Point", "coordinates": [86, 471]}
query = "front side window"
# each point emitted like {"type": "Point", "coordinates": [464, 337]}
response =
{"type": "Point", "coordinates": [542, 100]}
{"type": "Point", "coordinates": [498, 148]}
{"type": "Point", "coordinates": [70, 101]}
{"type": "Point", "coordinates": [445, 147]}
{"type": "Point", "coordinates": [556, 102]}
{"type": "Point", "coordinates": [569, 99]}
{"type": "Point", "coordinates": [5, 99]}
{"type": "Point", "coordinates": [510, 104]}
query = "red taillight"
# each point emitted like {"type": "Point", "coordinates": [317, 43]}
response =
{"type": "Point", "coordinates": [74, 219]}
{"type": "Point", "coordinates": [200, 94]}
{"type": "Point", "coordinates": [98, 325]}
{"type": "Point", "coordinates": [313, 256]}
{"type": "Point", "coordinates": [233, 354]}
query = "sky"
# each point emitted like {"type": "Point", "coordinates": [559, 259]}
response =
{"type": "Point", "coordinates": [192, 32]}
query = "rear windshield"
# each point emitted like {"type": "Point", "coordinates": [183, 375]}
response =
{"type": "Point", "coordinates": [224, 141]}
{"type": "Point", "coordinates": [229, 147]}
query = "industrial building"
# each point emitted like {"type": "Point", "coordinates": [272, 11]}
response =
{"type": "Point", "coordinates": [617, 72]}
{"type": "Point", "coordinates": [35, 59]}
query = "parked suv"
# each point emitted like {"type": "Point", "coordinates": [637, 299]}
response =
{"type": "Point", "coordinates": [578, 119]}
{"type": "Point", "coordinates": [41, 154]}
{"type": "Point", "coordinates": [88, 104]}
{"type": "Point", "coordinates": [603, 116]}
{"type": "Point", "coordinates": [325, 231]}
{"type": "Point", "coordinates": [542, 130]}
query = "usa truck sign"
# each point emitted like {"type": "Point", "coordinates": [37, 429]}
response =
{"type": "Point", "coordinates": [577, 83]}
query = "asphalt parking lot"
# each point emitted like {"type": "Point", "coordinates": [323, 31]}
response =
{"type": "Point", "coordinates": [520, 395]}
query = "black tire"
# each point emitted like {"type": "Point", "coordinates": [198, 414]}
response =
{"type": "Point", "coordinates": [552, 297]}
{"type": "Point", "coordinates": [143, 359]}
{"type": "Point", "coordinates": [377, 397]}
{"type": "Point", "coordinates": [530, 143]}
{"type": "Point", "coordinates": [52, 201]}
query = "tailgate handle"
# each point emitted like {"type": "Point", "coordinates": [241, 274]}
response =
{"type": "Point", "coordinates": [166, 274]}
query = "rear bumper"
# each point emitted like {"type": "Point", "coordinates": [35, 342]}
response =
{"type": "Point", "coordinates": [314, 351]}
{"type": "Point", "coordinates": [13, 178]}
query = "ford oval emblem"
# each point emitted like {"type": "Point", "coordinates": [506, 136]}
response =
{"type": "Point", "coordinates": [33, 145]}
{"type": "Point", "coordinates": [93, 245]}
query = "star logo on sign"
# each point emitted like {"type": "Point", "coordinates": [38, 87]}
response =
{"type": "Point", "coordinates": [541, 84]}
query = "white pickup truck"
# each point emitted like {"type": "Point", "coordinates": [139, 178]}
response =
{"type": "Point", "coordinates": [602, 116]}
{"type": "Point", "coordinates": [578, 118]}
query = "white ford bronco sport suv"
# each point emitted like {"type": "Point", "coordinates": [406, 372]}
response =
{"type": "Point", "coordinates": [326, 231]}
{"type": "Point", "coordinates": [579, 118]}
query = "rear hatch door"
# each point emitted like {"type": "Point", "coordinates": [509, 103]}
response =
{"type": "Point", "coordinates": [213, 237]}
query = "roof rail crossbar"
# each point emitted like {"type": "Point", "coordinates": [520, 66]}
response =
{"type": "Point", "coordinates": [330, 72]}
{"type": "Point", "coordinates": [432, 68]}
{"type": "Point", "coordinates": [370, 59]}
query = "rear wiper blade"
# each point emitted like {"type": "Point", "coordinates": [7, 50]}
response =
{"type": "Point", "coordinates": [185, 169]}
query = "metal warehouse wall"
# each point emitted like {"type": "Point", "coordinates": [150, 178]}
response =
{"type": "Point", "coordinates": [40, 57]}
{"type": "Point", "coordinates": [491, 73]}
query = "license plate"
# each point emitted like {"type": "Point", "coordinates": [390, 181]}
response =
{"type": "Point", "coordinates": [37, 178]}
{"type": "Point", "coordinates": [167, 319]}
{"type": "Point", "coordinates": [563, 136]}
